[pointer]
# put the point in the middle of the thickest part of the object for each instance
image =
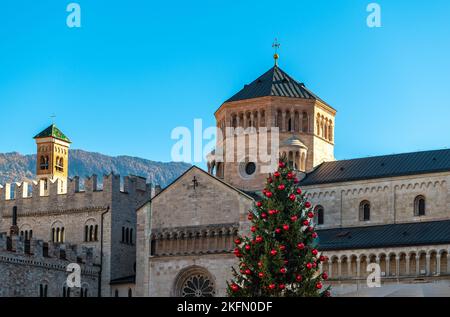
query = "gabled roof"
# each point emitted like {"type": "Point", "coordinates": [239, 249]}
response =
{"type": "Point", "coordinates": [274, 82]}
{"type": "Point", "coordinates": [392, 235]}
{"type": "Point", "coordinates": [53, 131]}
{"type": "Point", "coordinates": [379, 167]}
{"type": "Point", "coordinates": [204, 172]}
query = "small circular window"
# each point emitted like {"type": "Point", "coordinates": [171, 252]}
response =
{"type": "Point", "coordinates": [250, 168]}
{"type": "Point", "coordinates": [247, 169]}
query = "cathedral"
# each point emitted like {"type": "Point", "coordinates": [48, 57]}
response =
{"type": "Point", "coordinates": [133, 240]}
{"type": "Point", "coordinates": [390, 210]}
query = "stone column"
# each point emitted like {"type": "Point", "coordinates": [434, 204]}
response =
{"type": "Point", "coordinates": [330, 268]}
{"type": "Point", "coordinates": [349, 267]}
{"type": "Point", "coordinates": [397, 266]}
{"type": "Point", "coordinates": [388, 266]}
{"type": "Point", "coordinates": [238, 120]}
{"type": "Point", "coordinates": [358, 267]}
{"type": "Point", "coordinates": [438, 264]}
{"type": "Point", "coordinates": [258, 124]}
{"type": "Point", "coordinates": [427, 267]}
{"type": "Point", "coordinates": [407, 258]}
{"type": "Point", "coordinates": [339, 268]}
{"type": "Point", "coordinates": [292, 120]}
{"type": "Point", "coordinates": [417, 264]}
{"type": "Point", "coordinates": [283, 121]}
{"type": "Point", "coordinates": [252, 119]}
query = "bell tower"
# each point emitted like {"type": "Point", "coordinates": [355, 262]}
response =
{"type": "Point", "coordinates": [52, 158]}
{"type": "Point", "coordinates": [275, 100]}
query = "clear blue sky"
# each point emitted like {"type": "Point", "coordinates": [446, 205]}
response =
{"type": "Point", "coordinates": [137, 69]}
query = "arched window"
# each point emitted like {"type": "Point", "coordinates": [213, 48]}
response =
{"type": "Point", "coordinates": [364, 211]}
{"type": "Point", "coordinates": [91, 233]}
{"type": "Point", "coordinates": [319, 216]}
{"type": "Point", "coordinates": [131, 236]}
{"type": "Point", "coordinates": [86, 233]}
{"type": "Point", "coordinates": [130, 292]}
{"type": "Point", "coordinates": [123, 234]}
{"type": "Point", "coordinates": [419, 206]}
{"type": "Point", "coordinates": [127, 235]}
{"type": "Point", "coordinates": [305, 126]}
{"type": "Point", "coordinates": [43, 163]}
{"type": "Point", "coordinates": [289, 124]}
{"type": "Point", "coordinates": [116, 293]}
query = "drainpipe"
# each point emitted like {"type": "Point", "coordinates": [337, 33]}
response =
{"type": "Point", "coordinates": [101, 254]}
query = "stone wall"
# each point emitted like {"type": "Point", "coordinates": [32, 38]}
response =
{"type": "Point", "coordinates": [25, 266]}
{"type": "Point", "coordinates": [391, 199]}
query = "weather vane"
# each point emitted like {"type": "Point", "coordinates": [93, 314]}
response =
{"type": "Point", "coordinates": [276, 46]}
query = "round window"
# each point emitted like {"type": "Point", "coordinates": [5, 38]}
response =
{"type": "Point", "coordinates": [250, 168]}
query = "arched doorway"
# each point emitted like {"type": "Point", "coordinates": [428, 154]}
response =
{"type": "Point", "coordinates": [194, 281]}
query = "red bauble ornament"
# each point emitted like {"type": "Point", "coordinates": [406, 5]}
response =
{"type": "Point", "coordinates": [247, 247]}
{"type": "Point", "coordinates": [250, 217]}
{"type": "Point", "coordinates": [294, 218]}
{"type": "Point", "coordinates": [234, 287]}
{"type": "Point", "coordinates": [272, 286]}
{"type": "Point", "coordinates": [258, 204]}
{"type": "Point", "coordinates": [260, 264]}
{"type": "Point", "coordinates": [283, 270]}
{"type": "Point", "coordinates": [289, 175]}
{"type": "Point", "coordinates": [295, 180]}
{"type": "Point", "coordinates": [281, 164]}
{"type": "Point", "coordinates": [305, 222]}
{"type": "Point", "coordinates": [276, 174]}
{"type": "Point", "coordinates": [314, 252]}
{"type": "Point", "coordinates": [259, 239]}
{"type": "Point", "coordinates": [253, 229]}
{"type": "Point", "coordinates": [282, 247]}
{"type": "Point", "coordinates": [286, 227]}
{"type": "Point", "coordinates": [281, 286]}
{"type": "Point", "coordinates": [327, 294]}
{"type": "Point", "coordinates": [264, 215]}
{"type": "Point", "coordinates": [319, 285]}
{"type": "Point", "coordinates": [298, 278]}
{"type": "Point", "coordinates": [271, 212]}
{"type": "Point", "coordinates": [273, 252]}
{"type": "Point", "coordinates": [300, 246]}
{"type": "Point", "coordinates": [268, 194]}
{"type": "Point", "coordinates": [237, 241]}
{"type": "Point", "coordinates": [310, 229]}
{"type": "Point", "coordinates": [310, 215]}
{"type": "Point", "coordinates": [309, 266]}
{"type": "Point", "coordinates": [277, 230]}
{"type": "Point", "coordinates": [308, 204]}
{"type": "Point", "coordinates": [314, 235]}
{"type": "Point", "coordinates": [314, 264]}
{"type": "Point", "coordinates": [292, 197]}
{"type": "Point", "coordinates": [281, 187]}
{"type": "Point", "coordinates": [325, 275]}
{"type": "Point", "coordinates": [248, 272]}
{"type": "Point", "coordinates": [260, 274]}
{"type": "Point", "coordinates": [322, 258]}
{"type": "Point", "coordinates": [299, 191]}
{"type": "Point", "coordinates": [270, 180]}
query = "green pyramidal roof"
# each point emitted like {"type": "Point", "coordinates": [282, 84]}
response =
{"type": "Point", "coordinates": [53, 131]}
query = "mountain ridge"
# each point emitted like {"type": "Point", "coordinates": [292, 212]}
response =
{"type": "Point", "coordinates": [16, 167]}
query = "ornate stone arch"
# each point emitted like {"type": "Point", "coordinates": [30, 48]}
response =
{"type": "Point", "coordinates": [194, 281]}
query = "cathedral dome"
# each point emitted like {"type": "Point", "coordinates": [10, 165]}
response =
{"type": "Point", "coordinates": [294, 141]}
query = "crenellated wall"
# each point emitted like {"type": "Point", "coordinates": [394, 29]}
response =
{"type": "Point", "coordinates": [25, 265]}
{"type": "Point", "coordinates": [107, 208]}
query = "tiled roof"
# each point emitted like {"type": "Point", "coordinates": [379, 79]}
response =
{"type": "Point", "coordinates": [274, 82]}
{"type": "Point", "coordinates": [379, 167]}
{"type": "Point", "coordinates": [392, 235]}
{"type": "Point", "coordinates": [52, 131]}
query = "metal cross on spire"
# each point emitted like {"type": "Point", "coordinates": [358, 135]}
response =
{"type": "Point", "coordinates": [276, 46]}
{"type": "Point", "coordinates": [52, 117]}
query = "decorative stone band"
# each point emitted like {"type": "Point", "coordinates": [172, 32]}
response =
{"type": "Point", "coordinates": [210, 239]}
{"type": "Point", "coordinates": [8, 214]}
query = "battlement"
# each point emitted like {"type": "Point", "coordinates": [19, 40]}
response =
{"type": "Point", "coordinates": [40, 250]}
{"type": "Point", "coordinates": [111, 184]}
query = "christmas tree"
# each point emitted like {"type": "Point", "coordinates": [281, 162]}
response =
{"type": "Point", "coordinates": [279, 257]}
